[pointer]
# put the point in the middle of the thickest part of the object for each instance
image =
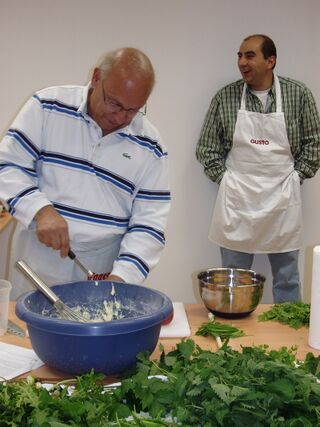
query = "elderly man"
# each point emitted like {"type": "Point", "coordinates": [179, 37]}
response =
{"type": "Point", "coordinates": [83, 168]}
{"type": "Point", "coordinates": [260, 140]}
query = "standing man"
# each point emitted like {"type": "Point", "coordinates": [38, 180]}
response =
{"type": "Point", "coordinates": [81, 167]}
{"type": "Point", "coordinates": [260, 140]}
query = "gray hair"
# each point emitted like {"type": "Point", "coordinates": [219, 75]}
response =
{"type": "Point", "coordinates": [133, 58]}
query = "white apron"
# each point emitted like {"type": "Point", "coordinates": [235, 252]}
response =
{"type": "Point", "coordinates": [47, 263]}
{"type": "Point", "coordinates": [258, 206]}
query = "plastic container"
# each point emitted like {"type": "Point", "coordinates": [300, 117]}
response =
{"type": "Point", "coordinates": [107, 347]}
{"type": "Point", "coordinates": [5, 288]}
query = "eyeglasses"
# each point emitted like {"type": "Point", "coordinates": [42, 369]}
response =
{"type": "Point", "coordinates": [115, 107]}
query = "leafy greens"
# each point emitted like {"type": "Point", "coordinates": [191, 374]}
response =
{"type": "Point", "coordinates": [253, 387]}
{"type": "Point", "coordinates": [222, 330]}
{"type": "Point", "coordinates": [294, 314]}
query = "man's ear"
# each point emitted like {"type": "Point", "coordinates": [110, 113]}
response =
{"type": "Point", "coordinates": [271, 61]}
{"type": "Point", "coordinates": [96, 77]}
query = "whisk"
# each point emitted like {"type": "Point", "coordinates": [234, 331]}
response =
{"type": "Point", "coordinates": [65, 312]}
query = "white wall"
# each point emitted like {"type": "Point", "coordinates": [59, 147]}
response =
{"type": "Point", "coordinates": [193, 45]}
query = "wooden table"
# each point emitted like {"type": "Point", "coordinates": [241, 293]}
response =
{"type": "Point", "coordinates": [258, 333]}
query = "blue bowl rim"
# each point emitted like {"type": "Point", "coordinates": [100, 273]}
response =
{"type": "Point", "coordinates": [114, 327]}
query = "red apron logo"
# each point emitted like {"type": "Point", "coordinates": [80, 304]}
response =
{"type": "Point", "coordinates": [102, 276]}
{"type": "Point", "coordinates": [259, 141]}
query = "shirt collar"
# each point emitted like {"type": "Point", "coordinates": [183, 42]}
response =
{"type": "Point", "coordinates": [271, 93]}
{"type": "Point", "coordinates": [83, 106]}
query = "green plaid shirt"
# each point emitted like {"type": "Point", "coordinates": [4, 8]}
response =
{"type": "Point", "coordinates": [302, 122]}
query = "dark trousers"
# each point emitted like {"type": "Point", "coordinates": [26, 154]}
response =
{"type": "Point", "coordinates": [284, 266]}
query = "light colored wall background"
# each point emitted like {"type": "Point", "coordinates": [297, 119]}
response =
{"type": "Point", "coordinates": [193, 46]}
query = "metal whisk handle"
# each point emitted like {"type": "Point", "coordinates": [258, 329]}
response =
{"type": "Point", "coordinates": [73, 256]}
{"type": "Point", "coordinates": [38, 283]}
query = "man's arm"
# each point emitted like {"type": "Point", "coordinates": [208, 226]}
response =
{"type": "Point", "coordinates": [210, 151]}
{"type": "Point", "coordinates": [19, 154]}
{"type": "Point", "coordinates": [307, 162]}
{"type": "Point", "coordinates": [142, 244]}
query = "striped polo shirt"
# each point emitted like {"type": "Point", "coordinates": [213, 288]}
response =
{"type": "Point", "coordinates": [117, 184]}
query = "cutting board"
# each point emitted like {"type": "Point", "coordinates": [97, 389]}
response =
{"type": "Point", "coordinates": [179, 326]}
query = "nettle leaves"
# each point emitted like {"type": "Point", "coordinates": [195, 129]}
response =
{"type": "Point", "coordinates": [294, 314]}
{"type": "Point", "coordinates": [188, 386]}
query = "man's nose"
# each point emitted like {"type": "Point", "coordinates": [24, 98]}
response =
{"type": "Point", "coordinates": [122, 117]}
{"type": "Point", "coordinates": [241, 61]}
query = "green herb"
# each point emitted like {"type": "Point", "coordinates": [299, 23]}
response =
{"type": "Point", "coordinates": [227, 388]}
{"type": "Point", "coordinates": [253, 387]}
{"type": "Point", "coordinates": [294, 314]}
{"type": "Point", "coordinates": [222, 330]}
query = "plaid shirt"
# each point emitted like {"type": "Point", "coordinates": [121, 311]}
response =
{"type": "Point", "coordinates": [302, 122]}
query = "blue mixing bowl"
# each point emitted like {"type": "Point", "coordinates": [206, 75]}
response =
{"type": "Point", "coordinates": [107, 347]}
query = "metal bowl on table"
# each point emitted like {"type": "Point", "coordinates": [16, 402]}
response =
{"type": "Point", "coordinates": [109, 347]}
{"type": "Point", "coordinates": [230, 292]}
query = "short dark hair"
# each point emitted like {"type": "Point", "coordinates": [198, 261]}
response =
{"type": "Point", "coordinates": [268, 47]}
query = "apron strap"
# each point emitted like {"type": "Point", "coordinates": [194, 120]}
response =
{"type": "Point", "coordinates": [278, 95]}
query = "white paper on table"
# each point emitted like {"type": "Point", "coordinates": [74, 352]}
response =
{"type": "Point", "coordinates": [314, 326]}
{"type": "Point", "coordinates": [16, 360]}
{"type": "Point", "coordinates": [179, 326]}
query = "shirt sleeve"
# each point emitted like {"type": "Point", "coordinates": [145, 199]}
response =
{"type": "Point", "coordinates": [211, 150]}
{"type": "Point", "coordinates": [19, 153]}
{"type": "Point", "coordinates": [144, 240]}
{"type": "Point", "coordinates": [307, 160]}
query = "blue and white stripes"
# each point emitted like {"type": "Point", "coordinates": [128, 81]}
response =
{"type": "Point", "coordinates": [146, 142]}
{"type": "Point", "coordinates": [136, 261]}
{"type": "Point", "coordinates": [59, 107]}
{"type": "Point", "coordinates": [111, 188]}
{"type": "Point", "coordinates": [115, 179]}
{"type": "Point", "coordinates": [91, 216]}
{"type": "Point", "coordinates": [151, 231]}
{"type": "Point", "coordinates": [66, 161]}
{"type": "Point", "coordinates": [87, 167]}
{"type": "Point", "coordinates": [12, 202]}
{"type": "Point", "coordinates": [24, 142]}
{"type": "Point", "coordinates": [29, 171]}
{"type": "Point", "coordinates": [153, 195]}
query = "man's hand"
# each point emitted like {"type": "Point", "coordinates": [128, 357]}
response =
{"type": "Point", "coordinates": [52, 229]}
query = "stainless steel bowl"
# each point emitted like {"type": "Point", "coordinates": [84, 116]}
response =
{"type": "Point", "coordinates": [230, 292]}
